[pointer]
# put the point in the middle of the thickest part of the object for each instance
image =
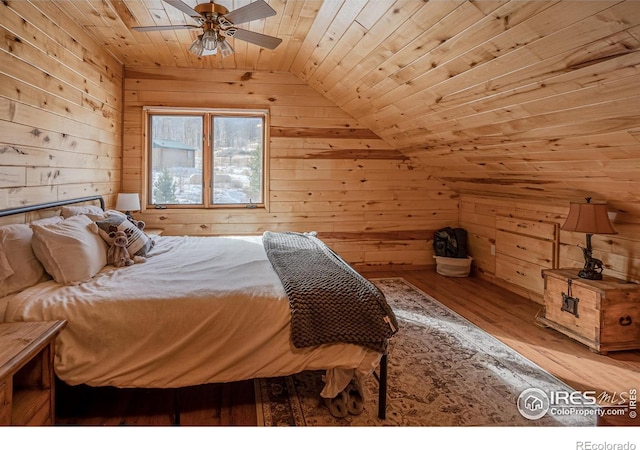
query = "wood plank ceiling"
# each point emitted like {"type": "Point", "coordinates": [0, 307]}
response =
{"type": "Point", "coordinates": [530, 99]}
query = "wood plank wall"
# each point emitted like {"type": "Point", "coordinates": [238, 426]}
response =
{"type": "Point", "coordinates": [327, 172]}
{"type": "Point", "coordinates": [619, 252]}
{"type": "Point", "coordinates": [60, 109]}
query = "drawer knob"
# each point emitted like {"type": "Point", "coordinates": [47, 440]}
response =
{"type": "Point", "coordinates": [625, 321]}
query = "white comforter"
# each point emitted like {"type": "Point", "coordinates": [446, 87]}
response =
{"type": "Point", "coordinates": [199, 310]}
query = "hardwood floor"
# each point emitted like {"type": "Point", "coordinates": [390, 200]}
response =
{"type": "Point", "coordinates": [507, 316]}
{"type": "Point", "coordinates": [229, 404]}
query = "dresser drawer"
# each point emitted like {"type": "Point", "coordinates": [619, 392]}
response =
{"type": "Point", "coordinates": [520, 273]}
{"type": "Point", "coordinates": [524, 247]}
{"type": "Point", "coordinates": [536, 251]}
{"type": "Point", "coordinates": [537, 229]}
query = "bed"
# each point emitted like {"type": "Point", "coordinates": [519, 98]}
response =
{"type": "Point", "coordinates": [191, 311]}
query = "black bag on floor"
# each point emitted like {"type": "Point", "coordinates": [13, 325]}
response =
{"type": "Point", "coordinates": [450, 242]}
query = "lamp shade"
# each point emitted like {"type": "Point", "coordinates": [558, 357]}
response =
{"type": "Point", "coordinates": [128, 202]}
{"type": "Point", "coordinates": [590, 218]}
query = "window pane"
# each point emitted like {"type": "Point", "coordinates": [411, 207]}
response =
{"type": "Point", "coordinates": [237, 160]}
{"type": "Point", "coordinates": [176, 160]}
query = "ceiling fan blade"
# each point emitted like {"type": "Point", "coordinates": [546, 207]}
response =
{"type": "Point", "coordinates": [166, 27]}
{"type": "Point", "coordinates": [188, 10]}
{"type": "Point", "coordinates": [253, 11]}
{"type": "Point", "coordinates": [262, 40]}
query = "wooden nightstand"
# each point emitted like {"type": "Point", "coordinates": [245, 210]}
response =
{"type": "Point", "coordinates": [27, 387]}
{"type": "Point", "coordinates": [602, 314]}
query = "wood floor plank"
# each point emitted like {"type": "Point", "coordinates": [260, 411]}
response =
{"type": "Point", "coordinates": [511, 319]}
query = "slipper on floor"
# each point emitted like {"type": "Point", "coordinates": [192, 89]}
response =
{"type": "Point", "coordinates": [338, 405]}
{"type": "Point", "coordinates": [355, 403]}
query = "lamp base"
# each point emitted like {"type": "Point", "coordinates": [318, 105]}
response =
{"type": "Point", "coordinates": [593, 267]}
{"type": "Point", "coordinates": [590, 274]}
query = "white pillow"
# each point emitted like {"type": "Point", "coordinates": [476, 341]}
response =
{"type": "Point", "coordinates": [94, 212]}
{"type": "Point", "coordinates": [47, 220]}
{"type": "Point", "coordinates": [69, 251]}
{"type": "Point", "coordinates": [15, 250]}
{"type": "Point", "coordinates": [5, 268]}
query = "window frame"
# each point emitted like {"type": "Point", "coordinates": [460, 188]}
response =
{"type": "Point", "coordinates": [207, 115]}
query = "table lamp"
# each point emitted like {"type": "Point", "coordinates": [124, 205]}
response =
{"type": "Point", "coordinates": [128, 202]}
{"type": "Point", "coordinates": [589, 218]}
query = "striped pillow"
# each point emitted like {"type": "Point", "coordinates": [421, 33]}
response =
{"type": "Point", "coordinates": [139, 242]}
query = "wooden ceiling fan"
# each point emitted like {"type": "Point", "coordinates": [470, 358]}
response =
{"type": "Point", "coordinates": [218, 24]}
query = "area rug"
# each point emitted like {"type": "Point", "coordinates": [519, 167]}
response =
{"type": "Point", "coordinates": [443, 371]}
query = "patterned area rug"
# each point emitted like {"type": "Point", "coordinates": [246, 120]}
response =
{"type": "Point", "coordinates": [443, 371]}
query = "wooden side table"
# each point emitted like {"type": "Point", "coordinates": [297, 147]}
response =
{"type": "Point", "coordinates": [602, 314]}
{"type": "Point", "coordinates": [27, 385]}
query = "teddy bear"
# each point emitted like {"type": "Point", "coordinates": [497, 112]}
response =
{"type": "Point", "coordinates": [138, 243]}
{"type": "Point", "coordinates": [118, 255]}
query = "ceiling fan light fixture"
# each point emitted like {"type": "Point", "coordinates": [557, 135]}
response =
{"type": "Point", "coordinates": [225, 48]}
{"type": "Point", "coordinates": [218, 23]}
{"type": "Point", "coordinates": [196, 47]}
{"type": "Point", "coordinates": [210, 40]}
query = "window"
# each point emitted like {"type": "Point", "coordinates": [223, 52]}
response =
{"type": "Point", "coordinates": [206, 158]}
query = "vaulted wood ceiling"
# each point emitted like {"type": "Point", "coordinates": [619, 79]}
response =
{"type": "Point", "coordinates": [508, 98]}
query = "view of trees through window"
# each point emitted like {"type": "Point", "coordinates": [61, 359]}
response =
{"type": "Point", "coordinates": [176, 159]}
{"type": "Point", "coordinates": [237, 160]}
{"type": "Point", "coordinates": [180, 158]}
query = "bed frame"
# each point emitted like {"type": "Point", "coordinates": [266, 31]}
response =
{"type": "Point", "coordinates": [381, 376]}
{"type": "Point", "coordinates": [40, 206]}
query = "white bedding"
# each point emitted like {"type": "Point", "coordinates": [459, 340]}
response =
{"type": "Point", "coordinates": [199, 310]}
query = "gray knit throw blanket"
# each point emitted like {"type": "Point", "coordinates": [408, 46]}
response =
{"type": "Point", "coordinates": [330, 302]}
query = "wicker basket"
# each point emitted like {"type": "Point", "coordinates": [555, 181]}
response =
{"type": "Point", "coordinates": [453, 267]}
